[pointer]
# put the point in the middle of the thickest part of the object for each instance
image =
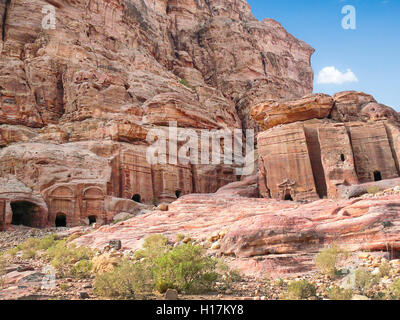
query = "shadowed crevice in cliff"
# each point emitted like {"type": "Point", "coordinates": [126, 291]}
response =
{"type": "Point", "coordinates": [264, 63]}
{"type": "Point", "coordinates": [4, 19]}
{"type": "Point", "coordinates": [392, 147]}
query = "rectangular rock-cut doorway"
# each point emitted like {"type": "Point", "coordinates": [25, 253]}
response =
{"type": "Point", "coordinates": [314, 152]}
{"type": "Point", "coordinates": [25, 213]}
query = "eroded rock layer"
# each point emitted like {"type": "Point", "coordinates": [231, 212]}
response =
{"type": "Point", "coordinates": [264, 236]}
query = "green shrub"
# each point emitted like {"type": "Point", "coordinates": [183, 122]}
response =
{"type": "Point", "coordinates": [28, 254]}
{"type": "Point", "coordinates": [64, 286]}
{"type": "Point", "coordinates": [185, 268]}
{"type": "Point", "coordinates": [280, 283]}
{"type": "Point", "coordinates": [326, 260]}
{"type": "Point", "coordinates": [384, 269]}
{"type": "Point", "coordinates": [47, 242]}
{"type": "Point", "coordinates": [394, 291]}
{"type": "Point", "coordinates": [337, 293]}
{"type": "Point", "coordinates": [234, 276]}
{"type": "Point", "coordinates": [365, 280]}
{"type": "Point", "coordinates": [82, 269]}
{"type": "Point", "coordinates": [300, 290]}
{"type": "Point", "coordinates": [64, 256]}
{"type": "Point", "coordinates": [153, 247]}
{"type": "Point", "coordinates": [126, 281]}
{"type": "Point", "coordinates": [159, 266]}
{"type": "Point", "coordinates": [12, 252]}
{"type": "Point", "coordinates": [31, 245]}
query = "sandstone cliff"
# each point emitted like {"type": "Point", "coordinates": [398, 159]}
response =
{"type": "Point", "coordinates": [85, 94]}
{"type": "Point", "coordinates": [318, 146]}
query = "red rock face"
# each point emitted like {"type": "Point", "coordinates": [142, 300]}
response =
{"type": "Point", "coordinates": [315, 146]}
{"type": "Point", "coordinates": [264, 236]}
{"type": "Point", "coordinates": [82, 97]}
{"type": "Point", "coordinates": [273, 113]}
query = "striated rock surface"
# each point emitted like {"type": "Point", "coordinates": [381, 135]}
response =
{"type": "Point", "coordinates": [122, 58]}
{"type": "Point", "coordinates": [274, 113]}
{"type": "Point", "coordinates": [264, 236]}
{"type": "Point", "coordinates": [348, 105]}
{"type": "Point", "coordinates": [308, 152]}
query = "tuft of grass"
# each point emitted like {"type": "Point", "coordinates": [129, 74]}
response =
{"type": "Point", "coordinates": [187, 84]}
{"type": "Point", "coordinates": [28, 254]}
{"type": "Point", "coordinates": [64, 286]}
{"type": "Point", "coordinates": [299, 290]}
{"type": "Point", "coordinates": [82, 269]}
{"type": "Point", "coordinates": [12, 252]}
{"type": "Point", "coordinates": [384, 269]}
{"type": "Point", "coordinates": [67, 258]}
{"type": "Point", "coordinates": [365, 280]}
{"type": "Point", "coordinates": [30, 247]}
{"type": "Point", "coordinates": [326, 260]}
{"type": "Point", "coordinates": [393, 292]}
{"type": "Point", "coordinates": [126, 281]}
{"type": "Point", "coordinates": [337, 293]}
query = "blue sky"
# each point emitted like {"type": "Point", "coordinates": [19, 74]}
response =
{"type": "Point", "coordinates": [371, 51]}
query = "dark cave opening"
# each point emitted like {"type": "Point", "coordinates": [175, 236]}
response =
{"type": "Point", "coordinates": [377, 176]}
{"type": "Point", "coordinates": [23, 213]}
{"type": "Point", "coordinates": [137, 198]}
{"type": "Point", "coordinates": [92, 219]}
{"type": "Point", "coordinates": [61, 220]}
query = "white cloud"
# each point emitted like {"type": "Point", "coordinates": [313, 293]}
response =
{"type": "Point", "coordinates": [331, 75]}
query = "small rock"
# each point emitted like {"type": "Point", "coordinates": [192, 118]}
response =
{"type": "Point", "coordinates": [214, 237]}
{"type": "Point", "coordinates": [364, 255]}
{"type": "Point", "coordinates": [216, 246]}
{"type": "Point", "coordinates": [115, 244]}
{"type": "Point", "coordinates": [163, 207]}
{"type": "Point", "coordinates": [222, 234]}
{"type": "Point", "coordinates": [375, 272]}
{"type": "Point", "coordinates": [171, 294]}
{"type": "Point", "coordinates": [83, 295]}
{"type": "Point", "coordinates": [187, 240]}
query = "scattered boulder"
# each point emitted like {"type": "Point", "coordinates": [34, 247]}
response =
{"type": "Point", "coordinates": [273, 113]}
{"type": "Point", "coordinates": [171, 294]}
{"type": "Point", "coordinates": [162, 207]}
{"type": "Point", "coordinates": [348, 105]}
{"type": "Point", "coordinates": [115, 244]}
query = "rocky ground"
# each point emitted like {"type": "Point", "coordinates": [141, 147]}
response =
{"type": "Point", "coordinates": [24, 275]}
